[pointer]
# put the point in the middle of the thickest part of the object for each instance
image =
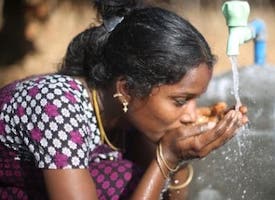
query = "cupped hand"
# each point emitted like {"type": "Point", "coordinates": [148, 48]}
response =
{"type": "Point", "coordinates": [197, 140]}
{"type": "Point", "coordinates": [217, 112]}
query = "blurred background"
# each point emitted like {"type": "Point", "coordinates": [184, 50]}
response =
{"type": "Point", "coordinates": [34, 34]}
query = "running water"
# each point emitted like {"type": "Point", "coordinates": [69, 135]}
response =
{"type": "Point", "coordinates": [234, 64]}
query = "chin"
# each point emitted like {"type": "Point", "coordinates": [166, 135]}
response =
{"type": "Point", "coordinates": [154, 136]}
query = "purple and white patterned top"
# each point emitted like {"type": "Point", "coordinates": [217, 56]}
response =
{"type": "Point", "coordinates": [50, 119]}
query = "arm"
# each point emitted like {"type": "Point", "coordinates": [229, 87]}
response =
{"type": "Point", "coordinates": [179, 178]}
{"type": "Point", "coordinates": [77, 184]}
{"type": "Point", "coordinates": [151, 184]}
{"type": "Point", "coordinates": [191, 143]}
{"type": "Point", "coordinates": [69, 184]}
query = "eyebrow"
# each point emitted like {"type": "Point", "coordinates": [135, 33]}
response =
{"type": "Point", "coordinates": [187, 95]}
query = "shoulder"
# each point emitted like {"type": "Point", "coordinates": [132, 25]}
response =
{"type": "Point", "coordinates": [51, 81]}
{"type": "Point", "coordinates": [50, 87]}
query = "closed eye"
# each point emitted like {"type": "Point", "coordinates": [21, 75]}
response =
{"type": "Point", "coordinates": [180, 101]}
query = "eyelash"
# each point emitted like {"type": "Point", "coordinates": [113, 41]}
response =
{"type": "Point", "coordinates": [180, 103]}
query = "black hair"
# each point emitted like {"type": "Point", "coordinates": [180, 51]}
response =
{"type": "Point", "coordinates": [110, 8]}
{"type": "Point", "coordinates": [150, 47]}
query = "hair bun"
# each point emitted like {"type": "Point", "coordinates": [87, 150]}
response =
{"type": "Point", "coordinates": [111, 8]}
{"type": "Point", "coordinates": [113, 2]}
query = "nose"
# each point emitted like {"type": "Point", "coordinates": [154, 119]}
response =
{"type": "Point", "coordinates": [189, 114]}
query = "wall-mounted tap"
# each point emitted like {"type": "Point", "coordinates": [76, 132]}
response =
{"type": "Point", "coordinates": [236, 15]}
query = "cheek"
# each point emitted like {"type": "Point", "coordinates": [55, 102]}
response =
{"type": "Point", "coordinates": [156, 117]}
{"type": "Point", "coordinates": [165, 115]}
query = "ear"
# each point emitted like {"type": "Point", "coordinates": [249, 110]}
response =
{"type": "Point", "coordinates": [121, 87]}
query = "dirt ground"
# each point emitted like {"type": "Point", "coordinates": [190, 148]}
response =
{"type": "Point", "coordinates": [52, 37]}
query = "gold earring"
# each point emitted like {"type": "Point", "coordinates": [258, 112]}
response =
{"type": "Point", "coordinates": [117, 95]}
{"type": "Point", "coordinates": [125, 106]}
{"type": "Point", "coordinates": [124, 102]}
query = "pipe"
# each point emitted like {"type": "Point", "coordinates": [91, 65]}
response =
{"type": "Point", "coordinates": [259, 31]}
{"type": "Point", "coordinates": [236, 14]}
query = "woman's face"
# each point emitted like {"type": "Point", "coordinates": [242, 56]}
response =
{"type": "Point", "coordinates": [169, 106]}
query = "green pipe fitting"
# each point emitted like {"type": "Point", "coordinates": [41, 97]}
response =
{"type": "Point", "coordinates": [236, 15]}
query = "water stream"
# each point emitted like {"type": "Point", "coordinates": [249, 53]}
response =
{"type": "Point", "coordinates": [235, 73]}
{"type": "Point", "coordinates": [236, 83]}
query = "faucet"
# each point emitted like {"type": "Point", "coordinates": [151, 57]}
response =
{"type": "Point", "coordinates": [236, 15]}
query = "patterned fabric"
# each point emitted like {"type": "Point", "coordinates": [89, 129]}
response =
{"type": "Point", "coordinates": [22, 180]}
{"type": "Point", "coordinates": [51, 119]}
{"type": "Point", "coordinates": [19, 179]}
{"type": "Point", "coordinates": [48, 122]}
{"type": "Point", "coordinates": [114, 180]}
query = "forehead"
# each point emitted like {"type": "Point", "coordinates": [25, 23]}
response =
{"type": "Point", "coordinates": [194, 82]}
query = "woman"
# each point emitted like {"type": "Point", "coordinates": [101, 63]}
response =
{"type": "Point", "coordinates": [124, 88]}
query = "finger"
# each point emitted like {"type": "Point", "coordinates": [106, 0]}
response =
{"type": "Point", "coordinates": [202, 139]}
{"type": "Point", "coordinates": [202, 119]}
{"type": "Point", "coordinates": [201, 128]}
{"type": "Point", "coordinates": [245, 120]}
{"type": "Point", "coordinates": [205, 111]}
{"type": "Point", "coordinates": [200, 146]}
{"type": "Point", "coordinates": [220, 129]}
{"type": "Point", "coordinates": [243, 109]}
{"type": "Point", "coordinates": [196, 129]}
{"type": "Point", "coordinates": [219, 108]}
{"type": "Point", "coordinates": [230, 132]}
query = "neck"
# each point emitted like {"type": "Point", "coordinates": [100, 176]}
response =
{"type": "Point", "coordinates": [110, 111]}
{"type": "Point", "coordinates": [112, 133]}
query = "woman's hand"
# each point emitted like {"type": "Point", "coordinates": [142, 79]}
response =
{"type": "Point", "coordinates": [216, 112]}
{"type": "Point", "coordinates": [198, 139]}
